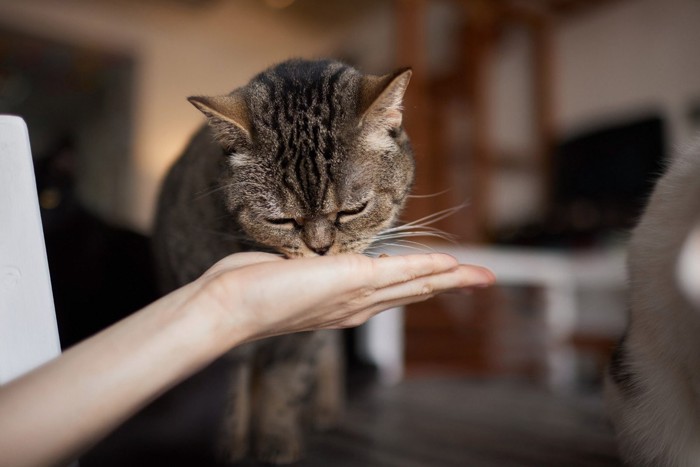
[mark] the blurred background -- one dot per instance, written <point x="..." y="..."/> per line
<point x="548" y="119"/>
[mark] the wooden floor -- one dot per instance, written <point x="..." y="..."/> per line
<point x="459" y="423"/>
<point x="438" y="423"/>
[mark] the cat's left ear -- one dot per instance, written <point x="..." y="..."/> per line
<point x="228" y="116"/>
<point x="381" y="99"/>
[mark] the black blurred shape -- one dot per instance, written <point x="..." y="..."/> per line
<point x="612" y="168"/>
<point x="100" y="273"/>
<point x="601" y="179"/>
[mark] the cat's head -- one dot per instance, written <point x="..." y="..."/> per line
<point x="317" y="158"/>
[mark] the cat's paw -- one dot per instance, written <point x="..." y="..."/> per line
<point x="279" y="449"/>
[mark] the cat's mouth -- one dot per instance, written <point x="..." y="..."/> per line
<point x="296" y="254"/>
<point x="332" y="250"/>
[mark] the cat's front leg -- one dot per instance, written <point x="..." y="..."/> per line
<point x="283" y="385"/>
<point x="328" y="398"/>
<point x="235" y="434"/>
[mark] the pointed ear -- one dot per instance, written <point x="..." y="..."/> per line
<point x="381" y="99"/>
<point x="228" y="116"/>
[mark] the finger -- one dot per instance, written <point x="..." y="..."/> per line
<point x="374" y="310"/>
<point x="361" y="317"/>
<point x="398" y="269"/>
<point x="462" y="276"/>
<point x="386" y="306"/>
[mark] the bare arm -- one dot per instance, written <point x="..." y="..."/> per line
<point x="75" y="400"/>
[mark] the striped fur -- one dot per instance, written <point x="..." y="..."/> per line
<point x="315" y="161"/>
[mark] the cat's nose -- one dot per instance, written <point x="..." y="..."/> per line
<point x="321" y="250"/>
<point x="319" y="234"/>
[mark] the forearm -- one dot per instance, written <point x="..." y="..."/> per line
<point x="57" y="411"/>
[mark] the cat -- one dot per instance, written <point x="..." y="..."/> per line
<point x="652" y="386"/>
<point x="309" y="158"/>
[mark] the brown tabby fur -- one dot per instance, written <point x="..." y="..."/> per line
<point x="309" y="158"/>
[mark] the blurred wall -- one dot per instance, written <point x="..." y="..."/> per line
<point x="632" y="55"/>
<point x="610" y="63"/>
<point x="183" y="48"/>
<point x="517" y="194"/>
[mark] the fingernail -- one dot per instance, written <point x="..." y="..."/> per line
<point x="488" y="278"/>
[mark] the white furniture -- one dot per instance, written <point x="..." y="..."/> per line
<point x="28" y="332"/>
<point x="688" y="269"/>
<point x="562" y="276"/>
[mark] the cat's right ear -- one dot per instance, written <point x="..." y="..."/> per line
<point x="381" y="99"/>
<point x="228" y="117"/>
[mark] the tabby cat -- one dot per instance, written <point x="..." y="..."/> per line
<point x="309" y="158"/>
<point x="653" y="383"/>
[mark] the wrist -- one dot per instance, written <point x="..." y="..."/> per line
<point x="216" y="316"/>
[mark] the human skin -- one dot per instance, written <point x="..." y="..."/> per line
<point x="57" y="411"/>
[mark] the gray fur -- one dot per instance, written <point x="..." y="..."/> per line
<point x="308" y="158"/>
<point x="653" y="384"/>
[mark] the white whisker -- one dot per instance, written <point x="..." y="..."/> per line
<point x="415" y="233"/>
<point x="410" y="228"/>
<point x="431" y="195"/>
<point x="421" y="246"/>
<point x="441" y="235"/>
<point x="401" y="244"/>
<point x="429" y="219"/>
<point x="421" y="228"/>
<point x="205" y="193"/>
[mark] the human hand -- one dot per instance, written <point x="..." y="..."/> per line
<point x="244" y="297"/>
<point x="267" y="295"/>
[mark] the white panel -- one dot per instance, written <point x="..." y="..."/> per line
<point x="28" y="332"/>
<point x="688" y="269"/>
<point x="380" y="341"/>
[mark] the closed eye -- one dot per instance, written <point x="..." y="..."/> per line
<point x="284" y="222"/>
<point x="348" y="213"/>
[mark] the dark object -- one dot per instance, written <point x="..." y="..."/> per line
<point x="431" y="423"/>
<point x="99" y="273"/>
<point x="610" y="171"/>
<point x="600" y="181"/>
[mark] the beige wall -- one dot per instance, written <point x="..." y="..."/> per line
<point x="610" y="62"/>
<point x="180" y="51"/>
<point x="632" y="55"/>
